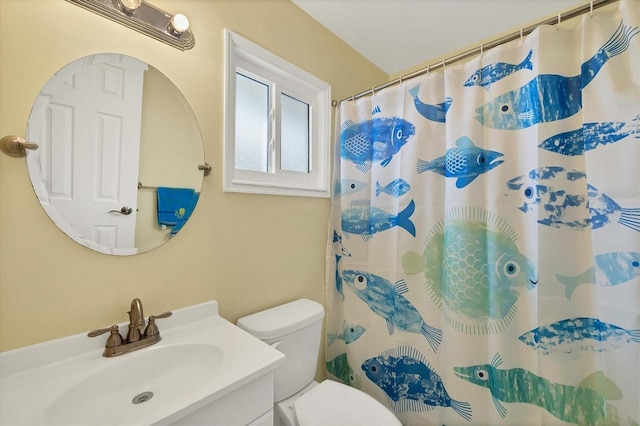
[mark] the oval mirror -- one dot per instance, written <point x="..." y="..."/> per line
<point x="119" y="168"/>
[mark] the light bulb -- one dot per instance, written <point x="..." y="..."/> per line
<point x="129" y="6"/>
<point x="179" y="24"/>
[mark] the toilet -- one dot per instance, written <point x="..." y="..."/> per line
<point x="294" y="329"/>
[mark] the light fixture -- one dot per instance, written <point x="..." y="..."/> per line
<point x="178" y="24"/>
<point x="144" y="18"/>
<point x="129" y="6"/>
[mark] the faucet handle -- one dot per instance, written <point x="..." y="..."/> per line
<point x="114" y="338"/>
<point x="152" y="328"/>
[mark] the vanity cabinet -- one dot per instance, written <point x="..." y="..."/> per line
<point x="251" y="404"/>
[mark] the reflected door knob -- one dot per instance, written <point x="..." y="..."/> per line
<point x="125" y="210"/>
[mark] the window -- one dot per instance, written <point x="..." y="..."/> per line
<point x="277" y="124"/>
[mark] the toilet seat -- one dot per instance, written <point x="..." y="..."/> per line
<point x="333" y="403"/>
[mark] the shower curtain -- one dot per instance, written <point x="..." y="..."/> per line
<point x="483" y="261"/>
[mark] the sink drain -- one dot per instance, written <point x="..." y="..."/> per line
<point x="142" y="397"/>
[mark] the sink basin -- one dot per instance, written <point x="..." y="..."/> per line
<point x="155" y="378"/>
<point x="203" y="364"/>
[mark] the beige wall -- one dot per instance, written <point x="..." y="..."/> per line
<point x="248" y="252"/>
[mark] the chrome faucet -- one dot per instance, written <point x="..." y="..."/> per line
<point x="136" y="337"/>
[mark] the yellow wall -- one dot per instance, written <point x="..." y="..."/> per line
<point x="248" y="252"/>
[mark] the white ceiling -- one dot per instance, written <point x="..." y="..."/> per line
<point x="399" y="35"/>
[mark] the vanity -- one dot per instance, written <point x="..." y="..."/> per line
<point x="204" y="370"/>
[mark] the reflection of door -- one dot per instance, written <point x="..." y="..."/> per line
<point x="93" y="134"/>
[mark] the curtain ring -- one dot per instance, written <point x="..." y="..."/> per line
<point x="559" y="20"/>
<point x="591" y="9"/>
<point x="373" y="90"/>
<point x="481" y="49"/>
<point x="521" y="34"/>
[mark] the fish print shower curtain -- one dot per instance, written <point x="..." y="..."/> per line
<point x="483" y="262"/>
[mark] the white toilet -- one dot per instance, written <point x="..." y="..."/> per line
<point x="294" y="329"/>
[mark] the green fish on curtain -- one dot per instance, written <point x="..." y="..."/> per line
<point x="474" y="270"/>
<point x="585" y="404"/>
<point x="340" y="368"/>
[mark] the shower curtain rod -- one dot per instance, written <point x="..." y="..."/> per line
<point x="580" y="10"/>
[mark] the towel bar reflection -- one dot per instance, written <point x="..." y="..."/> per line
<point x="15" y="146"/>
<point x="141" y="186"/>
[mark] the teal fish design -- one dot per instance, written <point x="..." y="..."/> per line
<point x="551" y="97"/>
<point x="340" y="368"/>
<point x="387" y="300"/>
<point x="349" y="333"/>
<point x="579" y="334"/>
<point x="609" y="269"/>
<point x="486" y="76"/>
<point x="474" y="270"/>
<point x="365" y="220"/>
<point x="585" y="404"/>
<point x="410" y="383"/>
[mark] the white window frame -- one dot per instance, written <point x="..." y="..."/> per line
<point x="246" y="57"/>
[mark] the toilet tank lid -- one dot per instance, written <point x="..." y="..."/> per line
<point x="281" y="320"/>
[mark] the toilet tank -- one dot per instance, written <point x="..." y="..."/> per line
<point x="294" y="329"/>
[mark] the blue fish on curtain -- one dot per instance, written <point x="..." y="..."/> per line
<point x="515" y="231"/>
<point x="579" y="334"/>
<point x="410" y="383"/>
<point x="376" y="140"/>
<point x="609" y="269"/>
<point x="387" y="300"/>
<point x="486" y="76"/>
<point x="366" y="220"/>
<point x="437" y="113"/>
<point x="591" y="136"/>
<point x="584" y="404"/>
<point x="551" y="97"/>
<point x="560" y="192"/>
<point x="465" y="162"/>
<point x="396" y="188"/>
<point x="346" y="187"/>
<point x="350" y="333"/>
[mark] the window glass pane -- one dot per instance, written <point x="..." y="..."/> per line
<point x="294" y="134"/>
<point x="252" y="124"/>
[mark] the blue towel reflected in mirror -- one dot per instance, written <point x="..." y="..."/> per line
<point x="175" y="206"/>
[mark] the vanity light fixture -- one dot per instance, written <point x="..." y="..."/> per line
<point x="144" y="18"/>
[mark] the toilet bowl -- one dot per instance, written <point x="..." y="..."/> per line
<point x="294" y="329"/>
